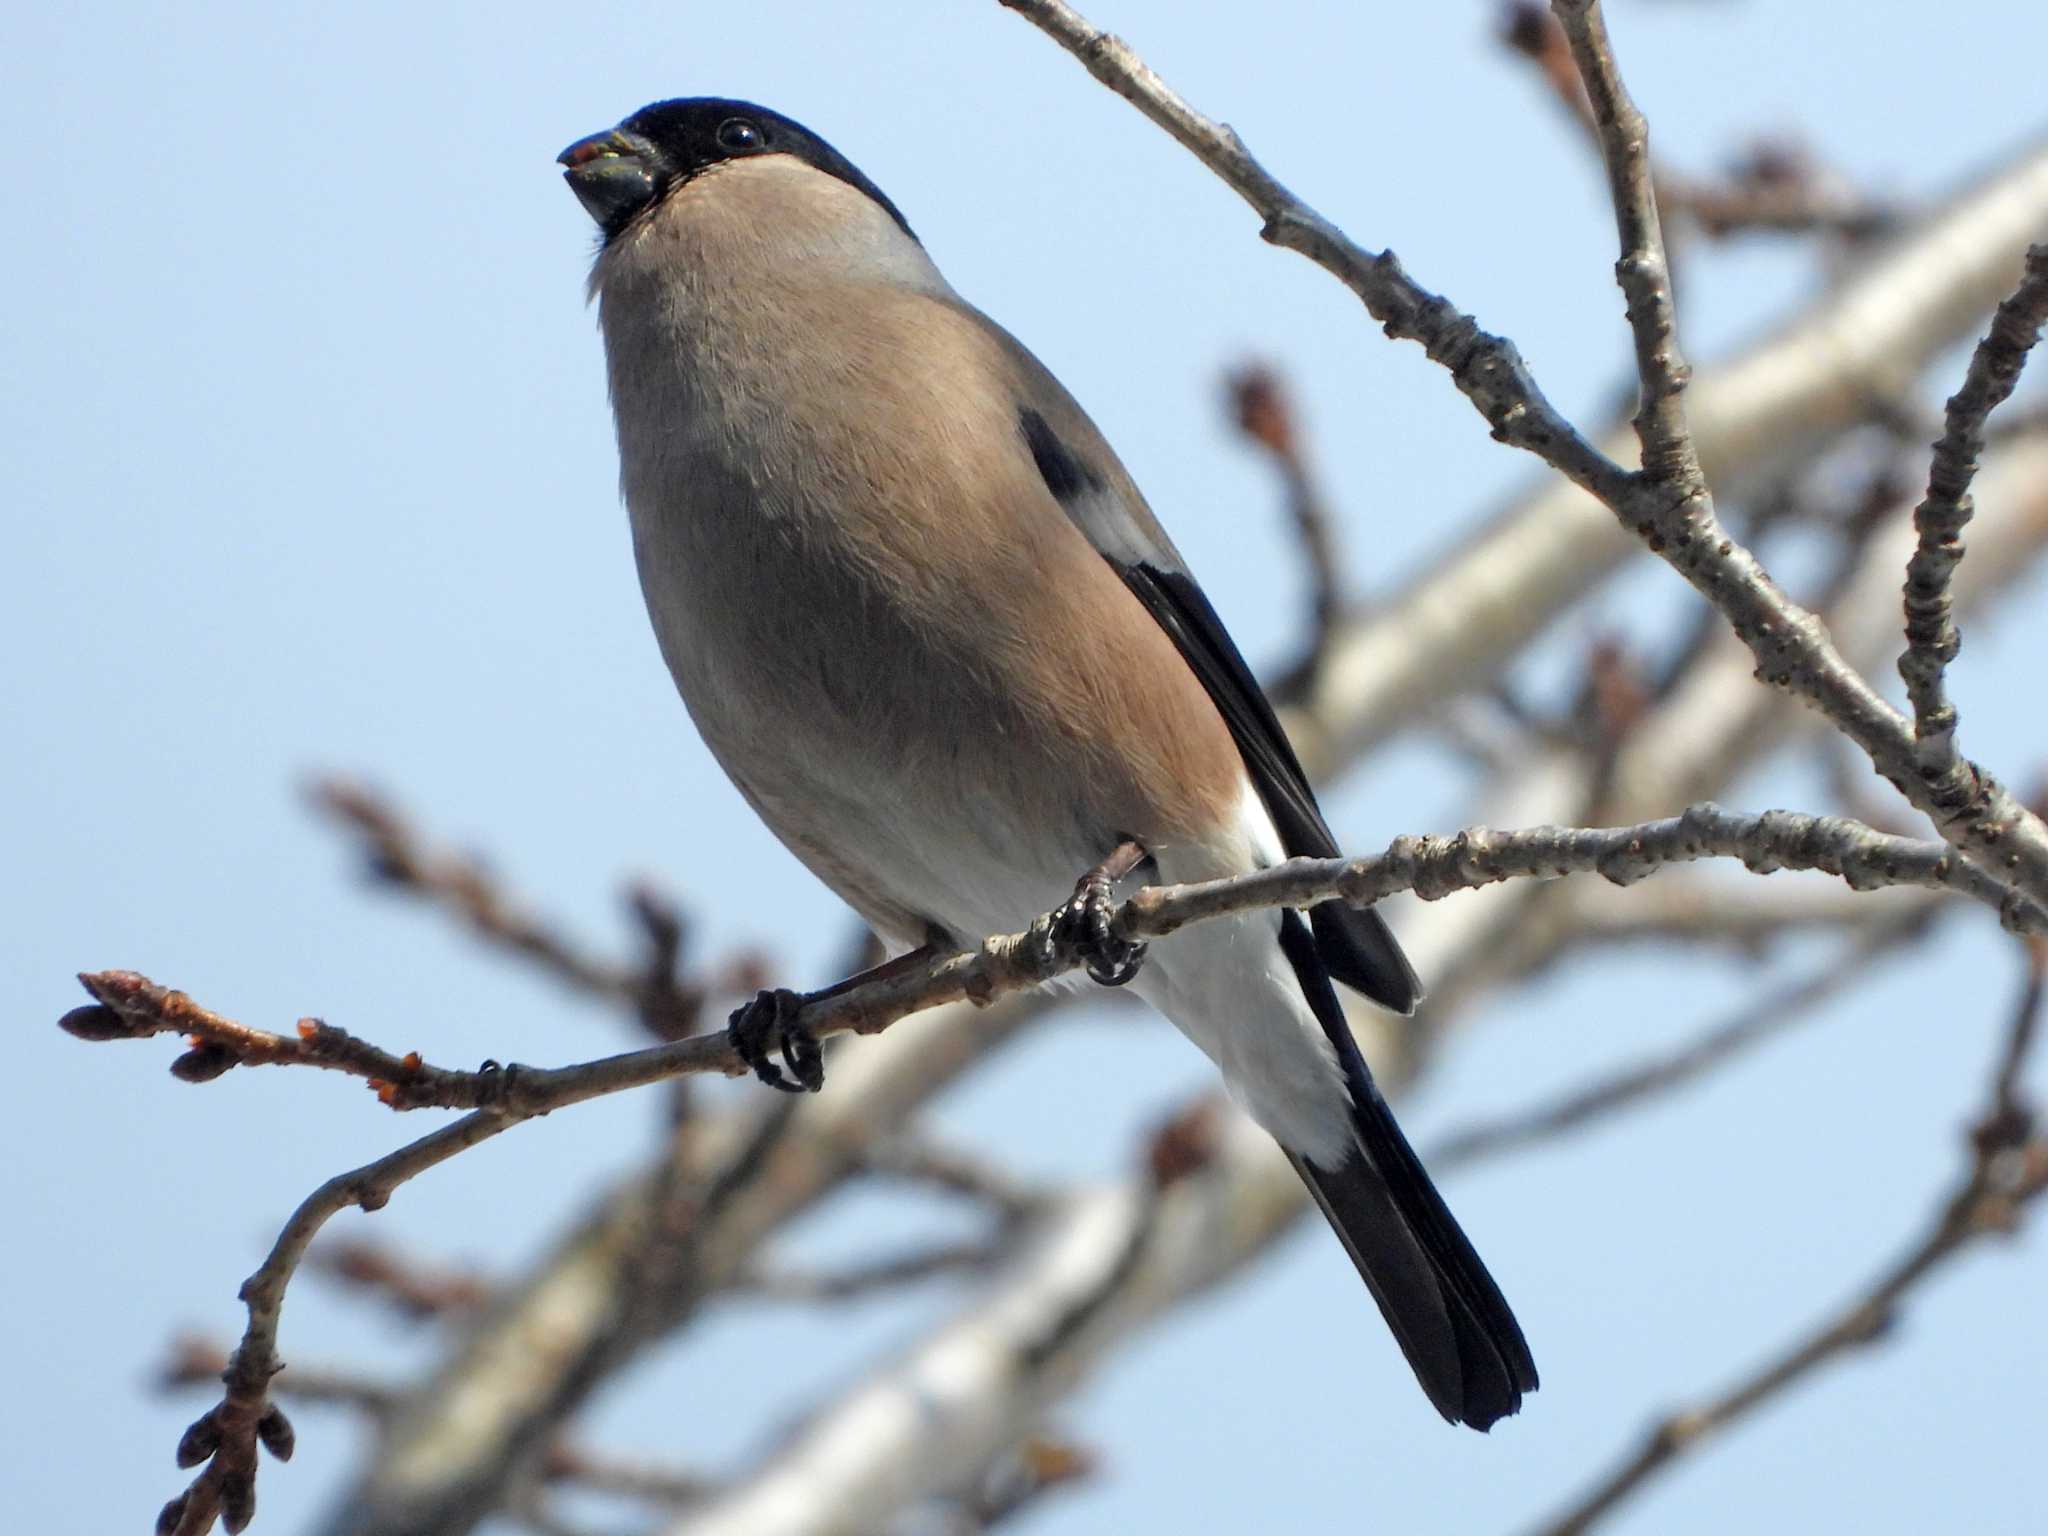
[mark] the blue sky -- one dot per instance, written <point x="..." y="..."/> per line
<point x="306" y="465"/>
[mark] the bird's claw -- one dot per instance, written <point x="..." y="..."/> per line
<point x="768" y="1019"/>
<point x="1086" y="927"/>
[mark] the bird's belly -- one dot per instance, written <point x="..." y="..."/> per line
<point x="868" y="746"/>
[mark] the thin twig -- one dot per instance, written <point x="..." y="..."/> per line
<point x="1703" y="912"/>
<point x="1763" y="1020"/>
<point x="779" y="1282"/>
<point x="2007" y="1168"/>
<point x="415" y="1289"/>
<point x="1263" y="413"/>
<point x="131" y="1006"/>
<point x="919" y="1159"/>
<point x="1666" y="504"/>
<point x="647" y="1482"/>
<point x="1931" y="638"/>
<point x="1669" y="457"/>
<point x="198" y="1362"/>
<point x="227" y="1435"/>
<point x="667" y="1003"/>
<point x="1774" y="187"/>
<point x="396" y="854"/>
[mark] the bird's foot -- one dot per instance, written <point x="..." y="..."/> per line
<point x="769" y="1020"/>
<point x="1086" y="927"/>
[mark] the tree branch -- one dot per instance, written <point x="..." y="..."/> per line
<point x="2008" y="1167"/>
<point x="1931" y="638"/>
<point x="226" y="1436"/>
<point x="1263" y="413"/>
<point x="131" y="1006"/>
<point x="918" y="1159"/>
<point x="414" y="1289"/>
<point x="1669" y="457"/>
<point x="1775" y="187"/>
<point x="1767" y="1017"/>
<point x="1666" y="504"/>
<point x="1731" y="915"/>
<point x="1754" y="416"/>
<point x="667" y="1003"/>
<point x="196" y="1361"/>
<point x="864" y="1277"/>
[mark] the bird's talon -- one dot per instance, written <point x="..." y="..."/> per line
<point x="768" y="1019"/>
<point x="1086" y="928"/>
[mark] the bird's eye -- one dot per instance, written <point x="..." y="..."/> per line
<point x="737" y="133"/>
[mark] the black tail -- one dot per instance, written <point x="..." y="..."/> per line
<point x="1448" y="1316"/>
<point x="1357" y="949"/>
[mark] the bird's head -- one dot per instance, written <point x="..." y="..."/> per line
<point x="623" y="173"/>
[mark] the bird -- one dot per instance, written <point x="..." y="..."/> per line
<point x="924" y="620"/>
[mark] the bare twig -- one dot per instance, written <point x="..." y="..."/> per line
<point x="198" y="1362"/>
<point x="1266" y="417"/>
<point x="1931" y="638"/>
<point x="1774" y="187"/>
<point x="226" y="1436"/>
<point x="1732" y="915"/>
<point x="416" y="1290"/>
<point x="628" y="1478"/>
<point x="781" y="1282"/>
<point x="1666" y="504"/>
<point x="916" y="1158"/>
<point x="396" y="854"/>
<point x="133" y="1007"/>
<point x="669" y="1004"/>
<point x="2008" y="1167"/>
<point x="1778" y="189"/>
<point x="1765" y="1019"/>
<point x="1669" y="457"/>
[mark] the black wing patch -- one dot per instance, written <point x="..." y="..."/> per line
<point x="1066" y="476"/>
<point x="1355" y="945"/>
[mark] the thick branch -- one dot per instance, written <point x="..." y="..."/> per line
<point x="1931" y="639"/>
